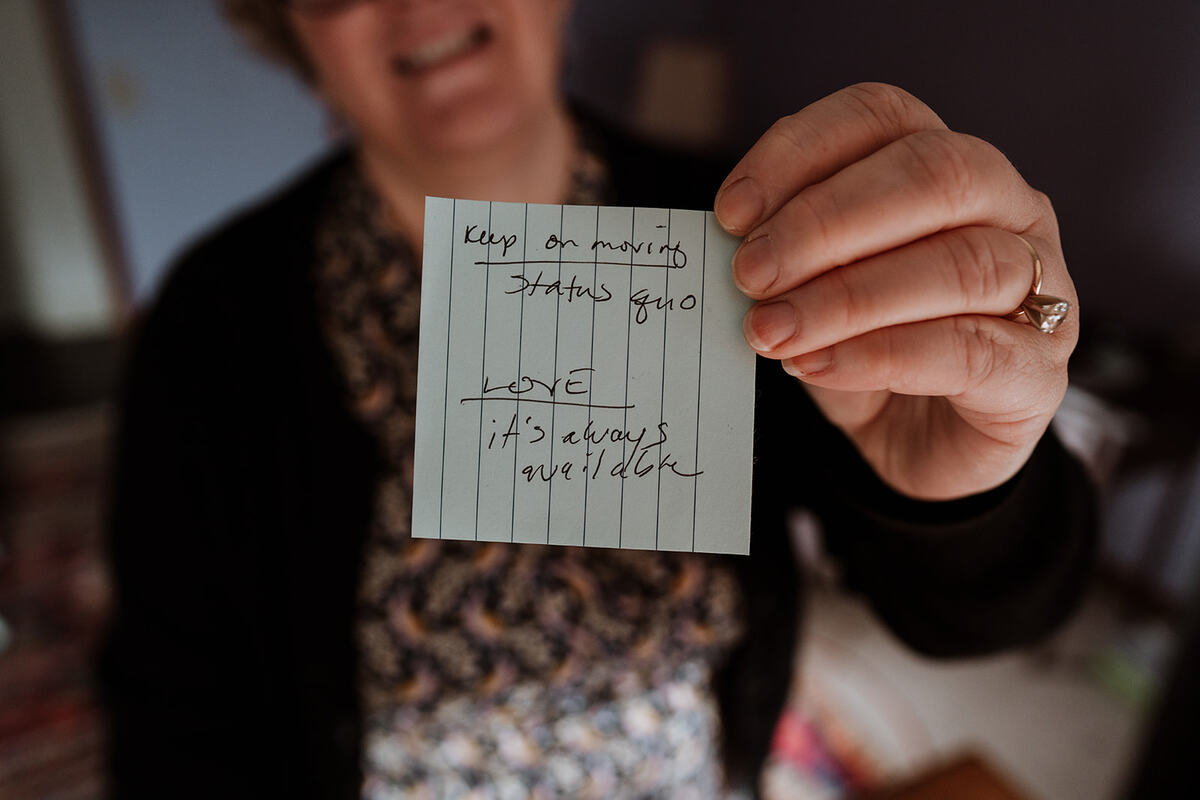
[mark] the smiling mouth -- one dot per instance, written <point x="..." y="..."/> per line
<point x="442" y="51"/>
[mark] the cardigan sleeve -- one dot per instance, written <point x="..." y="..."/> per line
<point x="186" y="716"/>
<point x="242" y="489"/>
<point x="963" y="577"/>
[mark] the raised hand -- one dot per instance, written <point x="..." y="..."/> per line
<point x="885" y="252"/>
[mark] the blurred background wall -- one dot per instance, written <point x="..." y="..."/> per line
<point x="127" y="127"/>
<point x="191" y="123"/>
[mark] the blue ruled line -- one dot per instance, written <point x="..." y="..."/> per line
<point x="587" y="458"/>
<point x="554" y="375"/>
<point x="512" y="524"/>
<point x="662" y="392"/>
<point x="628" y="317"/>
<point x="446" y="385"/>
<point x="699" y="374"/>
<point x="482" y="377"/>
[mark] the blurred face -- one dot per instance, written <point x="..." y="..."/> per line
<point x="434" y="77"/>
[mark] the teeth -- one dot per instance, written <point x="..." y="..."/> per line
<point x="439" y="50"/>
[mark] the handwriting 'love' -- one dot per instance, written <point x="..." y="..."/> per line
<point x="583" y="379"/>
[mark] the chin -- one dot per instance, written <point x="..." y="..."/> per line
<point x="472" y="127"/>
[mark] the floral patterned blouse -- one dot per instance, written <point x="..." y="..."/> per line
<point x="500" y="670"/>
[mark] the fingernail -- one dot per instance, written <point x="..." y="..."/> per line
<point x="740" y="205"/>
<point x="809" y="363"/>
<point x="754" y="267"/>
<point x="770" y="325"/>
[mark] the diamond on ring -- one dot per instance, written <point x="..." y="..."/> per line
<point x="1044" y="312"/>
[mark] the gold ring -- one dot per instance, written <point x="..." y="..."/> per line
<point x="1042" y="311"/>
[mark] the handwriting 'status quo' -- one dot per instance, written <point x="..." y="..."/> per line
<point x="642" y="253"/>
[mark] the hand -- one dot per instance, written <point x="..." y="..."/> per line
<point x="883" y="250"/>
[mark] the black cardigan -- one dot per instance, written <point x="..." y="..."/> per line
<point x="243" y="489"/>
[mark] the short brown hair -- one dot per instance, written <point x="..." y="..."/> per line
<point x="265" y="26"/>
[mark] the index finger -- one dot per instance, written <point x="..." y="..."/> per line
<point x="813" y="144"/>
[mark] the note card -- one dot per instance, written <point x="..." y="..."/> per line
<point x="583" y="379"/>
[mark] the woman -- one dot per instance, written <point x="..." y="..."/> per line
<point x="278" y="632"/>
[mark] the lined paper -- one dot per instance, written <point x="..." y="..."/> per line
<point x="583" y="379"/>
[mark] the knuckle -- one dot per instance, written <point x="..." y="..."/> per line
<point x="890" y="109"/>
<point x="852" y="297"/>
<point x="1043" y="208"/>
<point x="943" y="163"/>
<point x="818" y="218"/>
<point x="973" y="266"/>
<point x="890" y="358"/>
<point x="977" y="354"/>
<point x="795" y="132"/>
<point x="1042" y="202"/>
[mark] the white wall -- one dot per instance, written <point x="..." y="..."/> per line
<point x="54" y="281"/>
<point x="190" y="122"/>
